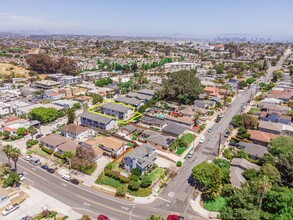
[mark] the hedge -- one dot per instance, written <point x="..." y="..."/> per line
<point x="47" y="150"/>
<point x="116" y="176"/>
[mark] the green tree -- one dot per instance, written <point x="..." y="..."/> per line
<point x="7" y="150"/>
<point x="153" y="217"/>
<point x="237" y="120"/>
<point x="20" y="131"/>
<point x="242" y="133"/>
<point x="6" y="135"/>
<point x="136" y="172"/>
<point x="146" y="181"/>
<point x="120" y="192"/>
<point x="76" y="106"/>
<point x="96" y="99"/>
<point x="133" y="185"/>
<point x="285" y="166"/>
<point x="103" y="82"/>
<point x="210" y="176"/>
<point x="70" y="116"/>
<point x="249" y="81"/>
<point x="181" y="84"/>
<point x="44" y="115"/>
<point x="32" y="130"/>
<point x="264" y="186"/>
<point x="249" y="121"/>
<point x="271" y="172"/>
<point x="281" y="145"/>
<point x="242" y="84"/>
<point x="11" y="180"/>
<point x="250" y="174"/>
<point x="68" y="155"/>
<point x="15" y="153"/>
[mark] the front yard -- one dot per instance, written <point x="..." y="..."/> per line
<point x="181" y="144"/>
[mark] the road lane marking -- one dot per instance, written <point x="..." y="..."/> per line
<point x="108" y="207"/>
<point x="171" y="194"/>
<point x="164" y="199"/>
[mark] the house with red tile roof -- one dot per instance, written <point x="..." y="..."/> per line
<point x="260" y="137"/>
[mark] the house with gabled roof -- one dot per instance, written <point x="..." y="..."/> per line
<point x="95" y="120"/>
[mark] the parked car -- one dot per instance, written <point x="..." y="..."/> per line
<point x="27" y="218"/>
<point x="221" y="115"/>
<point x="74" y="181"/>
<point x="202" y="139"/>
<point x="10" y="209"/>
<point x="218" y="119"/>
<point x="27" y="157"/>
<point x="175" y="217"/>
<point x="51" y="170"/>
<point x="21" y="177"/>
<point x="190" y="154"/>
<point x="66" y="177"/>
<point x="45" y="167"/>
<point x="227" y="134"/>
<point x="210" y="130"/>
<point x="39" y="136"/>
<point x="35" y="161"/>
<point x="233" y="144"/>
<point x="103" y="217"/>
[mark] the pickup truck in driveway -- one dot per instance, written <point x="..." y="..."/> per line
<point x="10" y="209"/>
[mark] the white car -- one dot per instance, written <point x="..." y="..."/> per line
<point x="27" y="157"/>
<point x="66" y="177"/>
<point x="202" y="139"/>
<point x="190" y="154"/>
<point x="10" y="209"/>
<point x="21" y="177"/>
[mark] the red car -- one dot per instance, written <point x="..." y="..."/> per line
<point x="103" y="217"/>
<point x="175" y="217"/>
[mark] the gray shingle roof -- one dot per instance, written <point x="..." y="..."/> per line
<point x="270" y="125"/>
<point x="146" y="91"/>
<point x="141" y="153"/>
<point x="130" y="101"/>
<point x="162" y="140"/>
<point x="174" y="129"/>
<point x="244" y="164"/>
<point x="254" y="149"/>
<point x="130" y="128"/>
<point x="154" y="120"/>
<point x="139" y="96"/>
<point x="115" y="107"/>
<point x="96" y="117"/>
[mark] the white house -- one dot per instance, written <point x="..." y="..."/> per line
<point x="77" y="132"/>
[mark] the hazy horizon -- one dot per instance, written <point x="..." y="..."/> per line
<point x="198" y="18"/>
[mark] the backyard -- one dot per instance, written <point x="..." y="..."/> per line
<point x="181" y="144"/>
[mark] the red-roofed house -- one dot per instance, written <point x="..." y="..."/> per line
<point x="260" y="137"/>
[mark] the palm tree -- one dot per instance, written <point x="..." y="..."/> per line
<point x="264" y="186"/>
<point x="14" y="154"/>
<point x="7" y="149"/>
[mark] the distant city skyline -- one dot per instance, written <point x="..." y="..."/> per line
<point x="197" y="18"/>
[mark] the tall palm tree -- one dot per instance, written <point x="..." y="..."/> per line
<point x="7" y="149"/>
<point x="15" y="153"/>
<point x="264" y="186"/>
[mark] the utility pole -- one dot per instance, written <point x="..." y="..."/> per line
<point x="219" y="147"/>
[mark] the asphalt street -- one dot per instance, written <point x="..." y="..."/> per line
<point x="173" y="199"/>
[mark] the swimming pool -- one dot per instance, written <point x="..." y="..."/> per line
<point x="161" y="116"/>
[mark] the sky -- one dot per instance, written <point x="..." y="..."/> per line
<point x="193" y="18"/>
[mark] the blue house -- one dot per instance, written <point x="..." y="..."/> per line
<point x="275" y="117"/>
<point x="142" y="158"/>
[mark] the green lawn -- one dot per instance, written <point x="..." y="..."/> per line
<point x="188" y="138"/>
<point x="156" y="173"/>
<point x="180" y="150"/>
<point x="41" y="152"/>
<point x="253" y="110"/>
<point x="215" y="205"/>
<point x="104" y="180"/>
<point x="142" y="192"/>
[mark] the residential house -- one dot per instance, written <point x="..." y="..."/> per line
<point x="148" y="92"/>
<point x="111" y="146"/>
<point x="98" y="121"/>
<point x="273" y="101"/>
<point x="275" y="117"/>
<point x="76" y="132"/>
<point x="64" y="103"/>
<point x="5" y="109"/>
<point x="47" y="84"/>
<point x="160" y="142"/>
<point x="12" y="123"/>
<point x="260" y="137"/>
<point x="238" y="166"/>
<point x="287" y="130"/>
<point x="52" y="95"/>
<point x="184" y="121"/>
<point x="83" y="99"/>
<point x="59" y="144"/>
<point x="142" y="158"/>
<point x="284" y="96"/>
<point x="270" y="127"/>
<point x="139" y="96"/>
<point x="275" y="108"/>
<point x="206" y="104"/>
<point x="137" y="103"/>
<point x="128" y="130"/>
<point x="120" y="111"/>
<point x="173" y="130"/>
<point x="255" y="151"/>
<point x="152" y="121"/>
<point x="69" y="80"/>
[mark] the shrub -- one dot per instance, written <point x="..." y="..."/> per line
<point x="120" y="192"/>
<point x="49" y="151"/>
<point x="227" y="154"/>
<point x="31" y="143"/>
<point x="179" y="163"/>
<point x="134" y="177"/>
<point x="133" y="186"/>
<point x="12" y="179"/>
<point x="250" y="174"/>
<point x="145" y="181"/>
<point x="116" y="176"/>
<point x="136" y="172"/>
<point x="109" y="166"/>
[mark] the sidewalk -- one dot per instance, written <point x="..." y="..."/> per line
<point x="38" y="201"/>
<point x="196" y="206"/>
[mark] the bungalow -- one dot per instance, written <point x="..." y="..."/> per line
<point x="120" y="111"/>
<point x="111" y="146"/>
<point x="98" y="121"/>
<point x="173" y="130"/>
<point x="260" y="137"/>
<point x="206" y="104"/>
<point x="139" y="96"/>
<point x="142" y="158"/>
<point x="54" y="96"/>
<point x="13" y="123"/>
<point x="76" y="132"/>
<point x="254" y="150"/>
<point x="83" y="99"/>
<point x="130" y="101"/>
<point x="148" y="92"/>
<point x="276" y="108"/>
<point x="152" y="121"/>
<point x="270" y="127"/>
<point x="238" y="166"/>
<point x="128" y="130"/>
<point x="160" y="142"/>
<point x="284" y="96"/>
<point x="273" y="101"/>
<point x="184" y="121"/>
<point x="58" y="143"/>
<point x="275" y="117"/>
